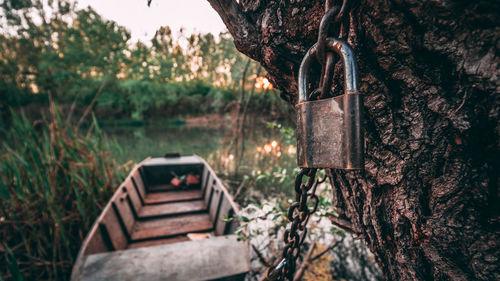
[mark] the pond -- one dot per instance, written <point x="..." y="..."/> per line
<point x="262" y="154"/>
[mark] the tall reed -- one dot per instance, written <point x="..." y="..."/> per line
<point x="53" y="183"/>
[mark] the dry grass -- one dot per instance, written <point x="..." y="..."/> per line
<point x="320" y="269"/>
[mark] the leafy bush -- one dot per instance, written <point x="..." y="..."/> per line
<point x="144" y="98"/>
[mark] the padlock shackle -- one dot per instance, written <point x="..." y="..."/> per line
<point x="344" y="50"/>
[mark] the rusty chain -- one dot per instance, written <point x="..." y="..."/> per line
<point x="325" y="58"/>
<point x="299" y="212"/>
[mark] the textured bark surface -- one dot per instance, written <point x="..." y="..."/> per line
<point x="427" y="203"/>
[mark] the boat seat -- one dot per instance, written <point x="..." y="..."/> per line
<point x="172" y="196"/>
<point x="170" y="209"/>
<point x="161" y="195"/>
<point x="161" y="187"/>
<point x="217" y="258"/>
<point x="155" y="242"/>
<point x="171" y="226"/>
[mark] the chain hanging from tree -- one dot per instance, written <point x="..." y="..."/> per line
<point x="306" y="201"/>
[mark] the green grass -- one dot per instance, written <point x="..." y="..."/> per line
<point x="53" y="183"/>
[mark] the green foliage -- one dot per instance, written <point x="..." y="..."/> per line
<point x="271" y="216"/>
<point x="268" y="168"/>
<point x="89" y="50"/>
<point x="63" y="54"/>
<point x="50" y="47"/>
<point x="53" y="183"/>
<point x="287" y="134"/>
<point x="143" y="98"/>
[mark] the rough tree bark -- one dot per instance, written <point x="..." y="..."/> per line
<point x="427" y="203"/>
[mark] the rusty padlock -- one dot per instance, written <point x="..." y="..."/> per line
<point x="329" y="132"/>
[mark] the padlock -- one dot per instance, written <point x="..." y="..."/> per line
<point x="329" y="131"/>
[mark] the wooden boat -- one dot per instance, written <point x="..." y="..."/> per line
<point x="151" y="229"/>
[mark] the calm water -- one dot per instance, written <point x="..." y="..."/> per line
<point x="138" y="143"/>
<point x="266" y="162"/>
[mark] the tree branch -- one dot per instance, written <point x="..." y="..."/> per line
<point x="305" y="263"/>
<point x="260" y="256"/>
<point x="246" y="37"/>
<point x="332" y="245"/>
<point x="342" y="223"/>
<point x="91" y="105"/>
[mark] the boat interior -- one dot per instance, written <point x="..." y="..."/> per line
<point x="166" y="221"/>
<point x="148" y="210"/>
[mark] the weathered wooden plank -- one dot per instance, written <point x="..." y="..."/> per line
<point x="234" y="224"/>
<point x="170" y="226"/>
<point x="207" y="194"/>
<point x="155" y="242"/>
<point x="225" y="210"/>
<point x="114" y="229"/>
<point x="215" y="203"/>
<point x="207" y="259"/>
<point x="161" y="187"/>
<point x="95" y="243"/>
<point x="158" y="172"/>
<point x="124" y="213"/>
<point x="142" y="177"/>
<point x="170" y="187"/>
<point x="216" y="180"/>
<point x="138" y="185"/>
<point x="175" y="208"/>
<point x="172" y="196"/>
<point x="205" y="175"/>
<point x="179" y="161"/>
<point x="128" y="187"/>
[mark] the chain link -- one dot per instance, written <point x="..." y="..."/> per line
<point x="327" y="59"/>
<point x="300" y="211"/>
<point x="299" y="214"/>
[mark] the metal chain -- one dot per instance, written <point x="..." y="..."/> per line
<point x="299" y="212"/>
<point x="325" y="58"/>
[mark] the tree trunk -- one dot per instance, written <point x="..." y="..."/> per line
<point x="427" y="202"/>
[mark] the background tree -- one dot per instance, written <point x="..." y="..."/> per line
<point x="427" y="203"/>
<point x="80" y="58"/>
<point x="162" y="44"/>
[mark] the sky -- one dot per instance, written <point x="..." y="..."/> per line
<point x="143" y="21"/>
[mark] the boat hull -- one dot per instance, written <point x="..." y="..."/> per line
<point x="156" y="227"/>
